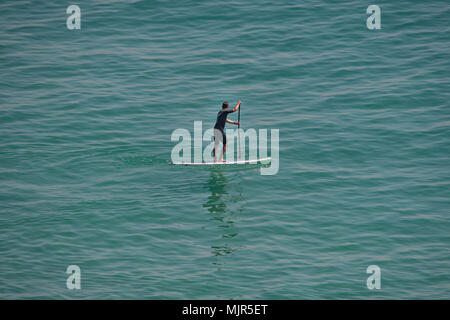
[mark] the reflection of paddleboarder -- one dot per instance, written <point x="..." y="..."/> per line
<point x="219" y="133"/>
<point x="217" y="185"/>
<point x="221" y="215"/>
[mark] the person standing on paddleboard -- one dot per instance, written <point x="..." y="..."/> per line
<point x="219" y="128"/>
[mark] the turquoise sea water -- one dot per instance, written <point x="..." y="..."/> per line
<point x="85" y="123"/>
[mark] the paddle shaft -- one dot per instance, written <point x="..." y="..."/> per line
<point x="239" y="116"/>
<point x="239" y="131"/>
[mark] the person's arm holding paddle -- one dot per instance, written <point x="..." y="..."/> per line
<point x="237" y="106"/>
<point x="234" y="110"/>
<point x="233" y="122"/>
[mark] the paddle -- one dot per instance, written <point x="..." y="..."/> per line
<point x="239" y="131"/>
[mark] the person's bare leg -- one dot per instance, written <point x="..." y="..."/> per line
<point x="223" y="152"/>
<point x="215" y="152"/>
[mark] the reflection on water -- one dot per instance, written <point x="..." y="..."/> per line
<point x="217" y="185"/>
<point x="222" y="203"/>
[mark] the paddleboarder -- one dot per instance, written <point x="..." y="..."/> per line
<point x="219" y="128"/>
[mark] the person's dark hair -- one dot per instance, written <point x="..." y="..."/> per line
<point x="225" y="105"/>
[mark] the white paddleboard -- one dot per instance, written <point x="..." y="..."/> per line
<point x="264" y="160"/>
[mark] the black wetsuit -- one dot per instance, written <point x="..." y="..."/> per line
<point x="220" y="125"/>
